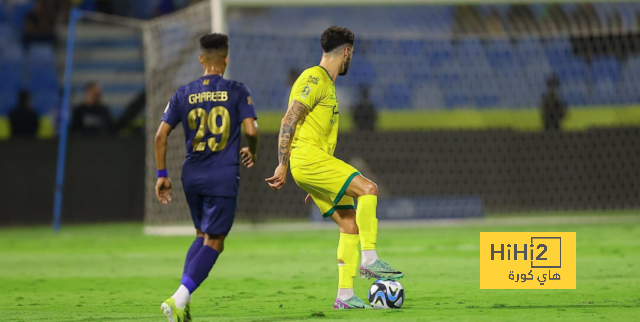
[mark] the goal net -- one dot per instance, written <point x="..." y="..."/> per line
<point x="454" y="110"/>
<point x="171" y="60"/>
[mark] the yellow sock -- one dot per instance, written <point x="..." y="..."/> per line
<point x="367" y="221"/>
<point x="347" y="259"/>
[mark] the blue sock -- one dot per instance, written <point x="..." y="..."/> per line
<point x="193" y="250"/>
<point x="199" y="268"/>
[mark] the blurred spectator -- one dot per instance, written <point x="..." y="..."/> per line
<point x="522" y="20"/>
<point x="494" y="23"/>
<point x="91" y="117"/>
<point x="467" y="21"/>
<point x="39" y="24"/>
<point x="24" y="121"/>
<point x="292" y="77"/>
<point x="554" y="109"/>
<point x="282" y="91"/>
<point x="364" y="114"/>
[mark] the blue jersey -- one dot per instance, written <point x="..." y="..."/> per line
<point x="211" y="110"/>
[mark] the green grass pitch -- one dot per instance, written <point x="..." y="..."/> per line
<point x="115" y="273"/>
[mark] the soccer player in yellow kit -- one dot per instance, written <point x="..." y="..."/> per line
<point x="308" y="137"/>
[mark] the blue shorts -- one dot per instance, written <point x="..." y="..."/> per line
<point x="211" y="214"/>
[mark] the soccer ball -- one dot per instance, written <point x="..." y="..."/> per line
<point x="386" y="295"/>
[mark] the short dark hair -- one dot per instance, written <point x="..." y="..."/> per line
<point x="214" y="41"/>
<point x="24" y="97"/>
<point x="335" y="37"/>
<point x="90" y="85"/>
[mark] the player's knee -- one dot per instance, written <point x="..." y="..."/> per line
<point x="370" y="188"/>
<point x="215" y="241"/>
<point x="218" y="246"/>
<point x="199" y="233"/>
<point x="349" y="226"/>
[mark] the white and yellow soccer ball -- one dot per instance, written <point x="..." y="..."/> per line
<point x="386" y="295"/>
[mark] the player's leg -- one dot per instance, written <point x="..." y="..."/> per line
<point x="347" y="255"/>
<point x="178" y="307"/>
<point x="193" y="250"/>
<point x="347" y="259"/>
<point x="195" y="202"/>
<point x="366" y="192"/>
<point x="203" y="262"/>
<point x="344" y="216"/>
<point x="215" y="222"/>
<point x="333" y="178"/>
<point x="197" y="271"/>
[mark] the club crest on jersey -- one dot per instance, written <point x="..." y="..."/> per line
<point x="206" y="82"/>
<point x="305" y="91"/>
<point x="313" y="80"/>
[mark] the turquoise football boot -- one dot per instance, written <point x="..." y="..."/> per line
<point x="380" y="270"/>
<point x="353" y="303"/>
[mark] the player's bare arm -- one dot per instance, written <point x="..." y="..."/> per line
<point x="249" y="154"/>
<point x="296" y="113"/>
<point x="163" y="186"/>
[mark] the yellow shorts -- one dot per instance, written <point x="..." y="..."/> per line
<point x="325" y="178"/>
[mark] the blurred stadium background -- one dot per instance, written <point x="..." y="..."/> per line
<point x="466" y="109"/>
<point x="519" y="115"/>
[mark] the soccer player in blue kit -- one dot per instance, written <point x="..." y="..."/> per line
<point x="211" y="110"/>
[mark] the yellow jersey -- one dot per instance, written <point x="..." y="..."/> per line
<point x="315" y="89"/>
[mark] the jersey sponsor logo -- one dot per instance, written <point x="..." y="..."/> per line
<point x="314" y="80"/>
<point x="206" y="82"/>
<point x="332" y="121"/>
<point x="305" y="91"/>
<point x="220" y="96"/>
<point x="167" y="108"/>
<point x="249" y="100"/>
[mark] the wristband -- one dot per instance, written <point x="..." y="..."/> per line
<point x="163" y="173"/>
